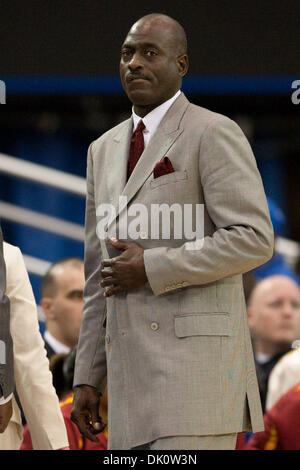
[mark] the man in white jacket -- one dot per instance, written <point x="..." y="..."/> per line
<point x="31" y="367"/>
<point x="283" y="377"/>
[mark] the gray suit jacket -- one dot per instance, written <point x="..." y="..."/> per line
<point x="6" y="347"/>
<point x="176" y="353"/>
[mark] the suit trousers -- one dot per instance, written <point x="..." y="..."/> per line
<point x="213" y="442"/>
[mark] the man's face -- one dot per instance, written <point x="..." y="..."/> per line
<point x="275" y="313"/>
<point x="150" y="67"/>
<point x="67" y="305"/>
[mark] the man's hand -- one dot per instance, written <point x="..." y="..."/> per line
<point x="125" y="272"/>
<point x="85" y="412"/>
<point x="5" y="415"/>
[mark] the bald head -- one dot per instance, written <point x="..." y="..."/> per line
<point x="50" y="280"/>
<point x="272" y="285"/>
<point x="62" y="300"/>
<point x="274" y="313"/>
<point x="175" y="31"/>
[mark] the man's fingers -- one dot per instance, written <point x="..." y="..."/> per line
<point x="85" y="411"/>
<point x="113" y="291"/>
<point x="122" y="246"/>
<point x="107" y="272"/>
<point x="109" y="281"/>
<point x="85" y="427"/>
<point x="108" y="263"/>
<point x="118" y="244"/>
<point x="96" y="420"/>
<point x="90" y="433"/>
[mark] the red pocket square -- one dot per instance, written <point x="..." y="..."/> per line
<point x="163" y="168"/>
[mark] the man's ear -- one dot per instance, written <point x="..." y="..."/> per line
<point x="183" y="64"/>
<point x="46" y="304"/>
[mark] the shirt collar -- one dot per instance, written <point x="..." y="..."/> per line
<point x="262" y="358"/>
<point x="152" y="119"/>
<point x="56" y="345"/>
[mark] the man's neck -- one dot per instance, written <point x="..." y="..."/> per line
<point x="270" y="350"/>
<point x="142" y="111"/>
<point x="153" y="119"/>
<point x="57" y="345"/>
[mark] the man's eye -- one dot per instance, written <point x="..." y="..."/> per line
<point x="150" y="53"/>
<point x="276" y="304"/>
<point x="76" y="295"/>
<point x="125" y="53"/>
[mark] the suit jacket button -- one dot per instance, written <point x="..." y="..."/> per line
<point x="154" y="326"/>
<point x="107" y="338"/>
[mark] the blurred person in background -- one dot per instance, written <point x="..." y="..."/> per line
<point x="63" y="365"/>
<point x="62" y="304"/>
<point x="274" y="319"/>
<point x="282" y="425"/>
<point x="31" y="367"/>
<point x="285" y="374"/>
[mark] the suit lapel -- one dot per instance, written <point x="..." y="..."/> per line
<point x="116" y="165"/>
<point x="164" y="137"/>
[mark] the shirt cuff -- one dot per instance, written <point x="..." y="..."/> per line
<point x="6" y="400"/>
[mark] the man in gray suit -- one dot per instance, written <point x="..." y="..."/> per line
<point x="164" y="320"/>
<point x="6" y="349"/>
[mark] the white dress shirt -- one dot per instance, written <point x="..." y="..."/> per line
<point x="262" y="358"/>
<point x="152" y="119"/>
<point x="57" y="346"/>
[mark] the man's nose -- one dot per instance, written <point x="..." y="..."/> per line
<point x="135" y="62"/>
<point x="287" y="309"/>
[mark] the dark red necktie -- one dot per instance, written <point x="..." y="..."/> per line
<point x="136" y="147"/>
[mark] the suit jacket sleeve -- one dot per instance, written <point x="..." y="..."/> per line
<point x="236" y="204"/>
<point x="90" y="366"/>
<point x="6" y="346"/>
<point x="32" y="375"/>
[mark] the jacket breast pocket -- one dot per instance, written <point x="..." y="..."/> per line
<point x="169" y="178"/>
<point x="202" y="324"/>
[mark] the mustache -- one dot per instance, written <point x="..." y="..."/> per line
<point x="133" y="76"/>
